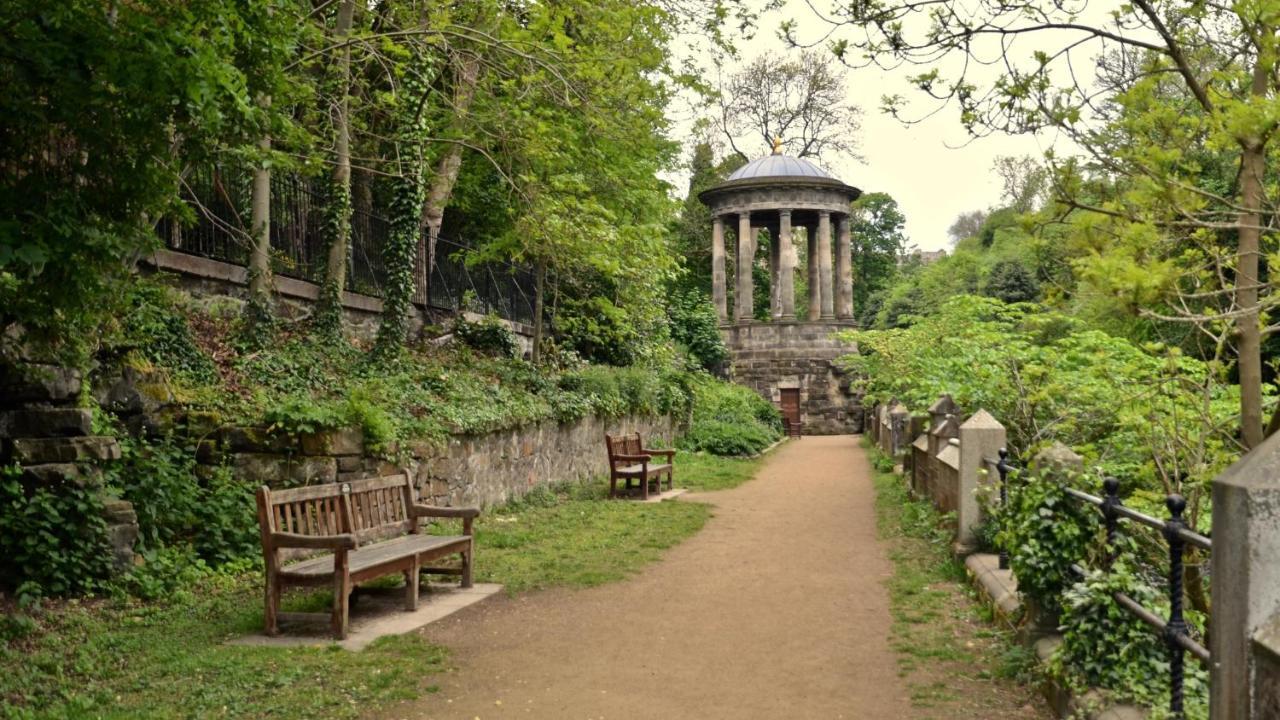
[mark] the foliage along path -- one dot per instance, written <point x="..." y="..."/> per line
<point x="778" y="608"/>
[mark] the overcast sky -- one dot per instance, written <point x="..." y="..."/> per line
<point x="933" y="169"/>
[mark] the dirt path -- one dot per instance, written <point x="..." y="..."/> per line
<point x="776" y="609"/>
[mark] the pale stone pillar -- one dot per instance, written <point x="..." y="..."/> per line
<point x="742" y="308"/>
<point x="1243" y="679"/>
<point x="775" y="267"/>
<point x="824" y="265"/>
<point x="787" y="267"/>
<point x="981" y="437"/>
<point x="844" y="271"/>
<point x="718" y="295"/>
<point x="815" y="285"/>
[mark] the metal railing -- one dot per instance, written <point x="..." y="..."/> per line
<point x="1173" y="630"/>
<point x="219" y="199"/>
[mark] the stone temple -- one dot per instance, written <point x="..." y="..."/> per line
<point x="788" y="358"/>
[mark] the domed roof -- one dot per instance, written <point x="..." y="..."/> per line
<point x="778" y="166"/>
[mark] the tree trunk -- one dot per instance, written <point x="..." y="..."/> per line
<point x="338" y="227"/>
<point x="1248" y="329"/>
<point x="465" y="77"/>
<point x="539" y="291"/>
<point x="259" y="310"/>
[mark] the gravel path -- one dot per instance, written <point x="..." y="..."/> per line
<point x="776" y="609"/>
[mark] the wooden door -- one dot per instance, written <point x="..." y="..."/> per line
<point x="791" y="405"/>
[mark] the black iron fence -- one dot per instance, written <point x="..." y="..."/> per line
<point x="219" y="200"/>
<point x="1173" y="630"/>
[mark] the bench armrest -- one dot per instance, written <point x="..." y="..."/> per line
<point x="345" y="541"/>
<point x="467" y="513"/>
<point x="668" y="453"/>
<point x="631" y="458"/>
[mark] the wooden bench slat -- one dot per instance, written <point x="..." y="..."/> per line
<point x="373" y="555"/>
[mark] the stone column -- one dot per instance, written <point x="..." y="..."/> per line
<point x="824" y="265"/>
<point x="786" y="267"/>
<point x="775" y="268"/>
<point x="1244" y="681"/>
<point x="742" y="309"/>
<point x="844" y="271"/>
<point x="981" y="437"/>
<point x="815" y="285"/>
<point x="718" y="296"/>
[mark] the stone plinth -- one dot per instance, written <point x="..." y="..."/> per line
<point x="771" y="357"/>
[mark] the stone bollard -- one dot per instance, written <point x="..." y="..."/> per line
<point x="899" y="424"/>
<point x="981" y="436"/>
<point x="1244" y="680"/>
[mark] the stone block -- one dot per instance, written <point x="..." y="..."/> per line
<point x="122" y="531"/>
<point x="258" y="440"/>
<point x="350" y="464"/>
<point x="37" y="451"/>
<point x="53" y="474"/>
<point x="343" y="441"/>
<point x="38" y="383"/>
<point x="45" y="422"/>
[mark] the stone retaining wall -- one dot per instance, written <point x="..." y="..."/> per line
<point x="773" y="356"/>
<point x="483" y="470"/>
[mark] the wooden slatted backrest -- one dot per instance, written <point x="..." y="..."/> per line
<point x="371" y="509"/>
<point x="623" y="445"/>
<point x="380" y="507"/>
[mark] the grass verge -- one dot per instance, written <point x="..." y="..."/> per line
<point x="954" y="662"/>
<point x="123" y="658"/>
<point x="704" y="472"/>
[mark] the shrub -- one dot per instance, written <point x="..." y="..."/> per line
<point x="695" y="326"/>
<point x="489" y="336"/>
<point x="598" y="331"/>
<point x="53" y="541"/>
<point x="154" y="325"/>
<point x="730" y="420"/>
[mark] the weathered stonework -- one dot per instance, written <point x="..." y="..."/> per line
<point x="771" y="357"/>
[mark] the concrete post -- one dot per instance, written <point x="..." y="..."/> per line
<point x="742" y="305"/>
<point x="900" y="422"/>
<point x="981" y="436"/>
<point x="824" y="265"/>
<point x="718" y="296"/>
<point x="938" y="438"/>
<point x="787" y="271"/>
<point x="844" y="271"/>
<point x="815" y="285"/>
<point x="1245" y="586"/>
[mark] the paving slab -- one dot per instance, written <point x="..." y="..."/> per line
<point x="377" y="613"/>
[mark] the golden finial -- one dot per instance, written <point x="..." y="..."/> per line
<point x="777" y="145"/>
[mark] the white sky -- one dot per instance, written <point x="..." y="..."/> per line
<point x="933" y="169"/>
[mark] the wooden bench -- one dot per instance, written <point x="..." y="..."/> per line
<point x="794" y="428"/>
<point x="629" y="460"/>
<point x="363" y="530"/>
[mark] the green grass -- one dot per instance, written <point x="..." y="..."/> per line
<point x="124" y="658"/>
<point x="575" y="536"/>
<point x="954" y="664"/>
<point x="704" y="472"/>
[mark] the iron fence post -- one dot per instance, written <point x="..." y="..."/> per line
<point x="1177" y="627"/>
<point x="1002" y="468"/>
<point x="1111" y="518"/>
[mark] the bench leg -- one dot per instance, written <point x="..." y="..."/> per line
<point x="613" y="486"/>
<point x="671" y="478"/>
<point x="411" y="585"/>
<point x="644" y="487"/>
<point x="341" y="596"/>
<point x="466" y="565"/>
<point x="272" y="602"/>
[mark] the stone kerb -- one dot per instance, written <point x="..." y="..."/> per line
<point x="981" y="437"/>
<point x="1245" y="585"/>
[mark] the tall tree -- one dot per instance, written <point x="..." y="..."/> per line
<point x="1222" y="58"/>
<point x="800" y="99"/>
<point x="877" y="239"/>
